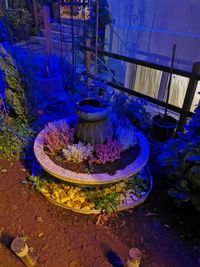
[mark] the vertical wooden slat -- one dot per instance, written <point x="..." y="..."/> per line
<point x="87" y="59"/>
<point x="35" y="13"/>
<point x="163" y="86"/>
<point x="130" y="76"/>
<point x="190" y="93"/>
<point x="47" y="26"/>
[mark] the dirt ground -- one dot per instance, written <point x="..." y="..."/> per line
<point x="167" y="236"/>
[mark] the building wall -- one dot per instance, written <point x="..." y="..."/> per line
<point x="153" y="26"/>
<point x="158" y="24"/>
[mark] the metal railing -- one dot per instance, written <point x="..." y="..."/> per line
<point x="194" y="77"/>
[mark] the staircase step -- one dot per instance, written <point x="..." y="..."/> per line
<point x="56" y="35"/>
<point x="55" y="43"/>
<point x="19" y="44"/>
<point x="67" y="28"/>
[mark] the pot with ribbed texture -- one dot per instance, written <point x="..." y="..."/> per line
<point x="94" y="125"/>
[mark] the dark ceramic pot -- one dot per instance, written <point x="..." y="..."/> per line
<point x="163" y="127"/>
<point x="94" y="125"/>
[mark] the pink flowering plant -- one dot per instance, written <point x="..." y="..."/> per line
<point x="58" y="136"/>
<point x="107" y="152"/>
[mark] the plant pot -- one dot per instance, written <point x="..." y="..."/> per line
<point x="94" y="125"/>
<point x="163" y="127"/>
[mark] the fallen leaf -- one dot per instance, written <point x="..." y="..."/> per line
<point x="41" y="234"/>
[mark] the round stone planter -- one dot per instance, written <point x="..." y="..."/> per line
<point x="94" y="125"/>
<point x="128" y="203"/>
<point x="88" y="178"/>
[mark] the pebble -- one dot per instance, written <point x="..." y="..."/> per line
<point x="39" y="219"/>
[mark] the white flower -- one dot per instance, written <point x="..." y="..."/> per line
<point x="77" y="152"/>
<point x="126" y="136"/>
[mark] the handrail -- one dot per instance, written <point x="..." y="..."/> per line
<point x="151" y="99"/>
<point x="145" y="63"/>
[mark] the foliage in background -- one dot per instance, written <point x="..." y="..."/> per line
<point x="181" y="157"/>
<point x="33" y="67"/>
<point x="132" y="108"/>
<point x="14" y="129"/>
<point x="21" y="23"/>
<point x="104" y="19"/>
<point x="20" y="20"/>
<point x="15" y="89"/>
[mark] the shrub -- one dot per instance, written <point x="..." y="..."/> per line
<point x="181" y="158"/>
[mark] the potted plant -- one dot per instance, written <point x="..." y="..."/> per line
<point x="163" y="124"/>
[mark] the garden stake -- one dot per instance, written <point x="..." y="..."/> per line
<point x="134" y="259"/>
<point x="20" y="248"/>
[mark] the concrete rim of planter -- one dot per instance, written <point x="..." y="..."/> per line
<point x="91" y="179"/>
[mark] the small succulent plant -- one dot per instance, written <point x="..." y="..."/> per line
<point x="77" y="152"/>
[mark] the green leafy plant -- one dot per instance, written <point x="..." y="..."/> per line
<point x="104" y="19"/>
<point x="181" y="158"/>
<point x="37" y="182"/>
<point x="15" y="89"/>
<point x="132" y="108"/>
<point x="106" y="202"/>
<point x="14" y="136"/>
<point x="14" y="130"/>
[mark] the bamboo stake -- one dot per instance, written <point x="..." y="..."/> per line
<point x="35" y="13"/>
<point x="97" y="36"/>
<point x="170" y="78"/>
<point x="48" y="34"/>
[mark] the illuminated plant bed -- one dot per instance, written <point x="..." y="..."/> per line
<point x="107" y="169"/>
<point x="119" y="196"/>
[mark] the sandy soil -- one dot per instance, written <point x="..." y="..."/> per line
<point x="167" y="236"/>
